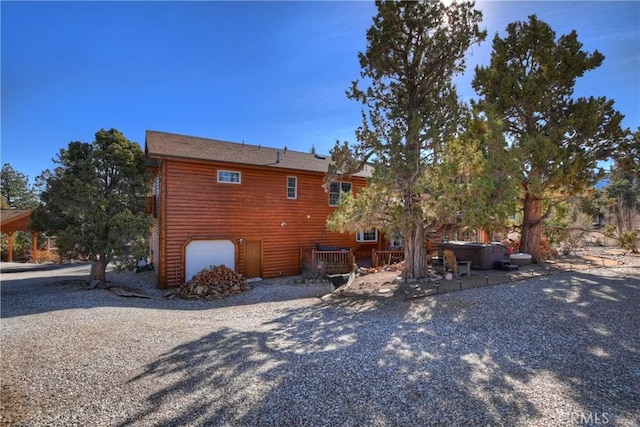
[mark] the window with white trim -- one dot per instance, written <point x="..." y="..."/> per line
<point x="156" y="185"/>
<point x="229" y="177"/>
<point x="292" y="187"/>
<point x="396" y="241"/>
<point x="367" y="235"/>
<point x="335" y="192"/>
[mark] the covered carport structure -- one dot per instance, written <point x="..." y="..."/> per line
<point x="12" y="220"/>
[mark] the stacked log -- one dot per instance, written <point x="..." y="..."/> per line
<point x="398" y="266"/>
<point x="213" y="283"/>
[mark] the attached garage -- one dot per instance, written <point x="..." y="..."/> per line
<point x="200" y="254"/>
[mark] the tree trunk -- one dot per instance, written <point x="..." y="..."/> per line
<point x="415" y="253"/>
<point x="99" y="268"/>
<point x="531" y="227"/>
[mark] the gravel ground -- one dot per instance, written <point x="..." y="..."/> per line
<point x="561" y="350"/>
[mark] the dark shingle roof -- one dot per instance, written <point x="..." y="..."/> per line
<point x="11" y="214"/>
<point x="15" y="219"/>
<point x="170" y="145"/>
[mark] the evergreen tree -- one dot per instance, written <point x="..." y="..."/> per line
<point x="93" y="201"/>
<point x="627" y="156"/>
<point x="557" y="139"/>
<point x="410" y="108"/>
<point x="473" y="184"/>
<point x="623" y="194"/>
<point x="15" y="189"/>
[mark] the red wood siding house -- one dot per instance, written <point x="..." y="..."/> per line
<point x="251" y="206"/>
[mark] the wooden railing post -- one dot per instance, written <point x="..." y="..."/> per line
<point x="331" y="262"/>
<point x="10" y="249"/>
<point x="34" y="245"/>
<point x="379" y="258"/>
<point x="313" y="260"/>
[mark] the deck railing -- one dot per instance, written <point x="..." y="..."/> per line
<point x="380" y="258"/>
<point x="327" y="262"/>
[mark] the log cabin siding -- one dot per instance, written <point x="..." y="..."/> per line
<point x="194" y="205"/>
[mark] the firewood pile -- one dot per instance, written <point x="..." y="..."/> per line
<point x="213" y="283"/>
<point x="399" y="266"/>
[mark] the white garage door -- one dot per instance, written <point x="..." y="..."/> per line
<point x="201" y="254"/>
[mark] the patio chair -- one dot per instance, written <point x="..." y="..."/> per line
<point x="453" y="264"/>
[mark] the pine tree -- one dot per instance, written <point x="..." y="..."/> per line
<point x="15" y="189"/>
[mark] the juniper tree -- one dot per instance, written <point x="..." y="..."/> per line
<point x="93" y="201"/>
<point x="627" y="156"/>
<point x="410" y="107"/>
<point x="558" y="140"/>
<point x="472" y="186"/>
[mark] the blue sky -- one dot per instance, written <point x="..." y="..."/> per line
<point x="269" y="73"/>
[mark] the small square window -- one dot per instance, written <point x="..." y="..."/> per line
<point x="292" y="187"/>
<point x="229" y="177"/>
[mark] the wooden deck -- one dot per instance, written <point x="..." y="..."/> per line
<point x="380" y="258"/>
<point x="326" y="262"/>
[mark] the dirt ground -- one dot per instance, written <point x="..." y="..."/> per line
<point x="387" y="282"/>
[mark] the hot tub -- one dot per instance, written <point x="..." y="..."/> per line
<point x="482" y="255"/>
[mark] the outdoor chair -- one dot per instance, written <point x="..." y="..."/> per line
<point x="453" y="264"/>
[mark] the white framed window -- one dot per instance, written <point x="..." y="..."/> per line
<point x="335" y="192"/>
<point x="396" y="241"/>
<point x="367" y="235"/>
<point x="292" y="187"/>
<point x="156" y="185"/>
<point x="229" y="177"/>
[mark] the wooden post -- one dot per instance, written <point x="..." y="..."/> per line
<point x="10" y="239"/>
<point x="313" y="261"/>
<point x="34" y="245"/>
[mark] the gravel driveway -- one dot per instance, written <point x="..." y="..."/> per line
<point x="562" y="350"/>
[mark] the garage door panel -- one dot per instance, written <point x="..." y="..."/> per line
<point x="201" y="254"/>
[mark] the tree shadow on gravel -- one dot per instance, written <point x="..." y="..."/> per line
<point x="34" y="289"/>
<point x="34" y="295"/>
<point x="557" y="351"/>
